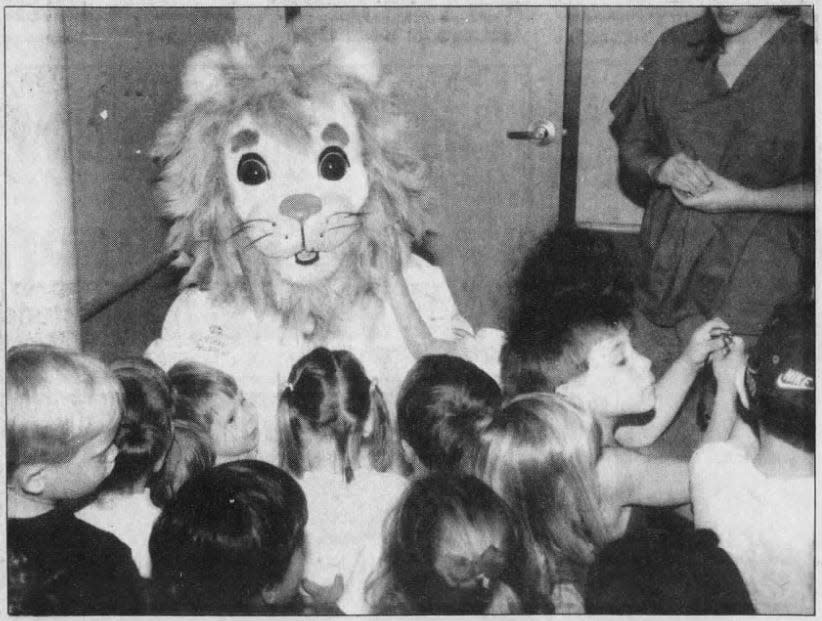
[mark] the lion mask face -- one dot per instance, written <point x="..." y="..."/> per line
<point x="301" y="197"/>
<point x="285" y="173"/>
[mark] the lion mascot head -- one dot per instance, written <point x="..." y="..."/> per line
<point x="286" y="173"/>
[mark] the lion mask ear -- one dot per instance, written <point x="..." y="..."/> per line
<point x="205" y="77"/>
<point x="356" y="57"/>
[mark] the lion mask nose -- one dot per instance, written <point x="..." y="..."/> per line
<point x="300" y="207"/>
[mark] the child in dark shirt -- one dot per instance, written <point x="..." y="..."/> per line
<point x="63" y="410"/>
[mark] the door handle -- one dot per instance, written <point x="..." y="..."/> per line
<point x="542" y="133"/>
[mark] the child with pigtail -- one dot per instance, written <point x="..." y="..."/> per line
<point x="336" y="439"/>
<point x="454" y="547"/>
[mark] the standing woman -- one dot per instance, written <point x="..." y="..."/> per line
<point x="719" y="118"/>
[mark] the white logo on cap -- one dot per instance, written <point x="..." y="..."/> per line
<point x="794" y="380"/>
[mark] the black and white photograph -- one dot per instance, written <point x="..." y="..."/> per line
<point x="409" y="309"/>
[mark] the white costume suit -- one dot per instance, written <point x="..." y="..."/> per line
<point x="259" y="352"/>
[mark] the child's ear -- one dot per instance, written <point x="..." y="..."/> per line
<point x="32" y="479"/>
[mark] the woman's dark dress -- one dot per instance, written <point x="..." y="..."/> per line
<point x="760" y="133"/>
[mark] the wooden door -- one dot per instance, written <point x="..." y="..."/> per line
<point x="466" y="76"/>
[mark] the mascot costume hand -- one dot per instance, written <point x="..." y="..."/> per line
<point x="286" y="176"/>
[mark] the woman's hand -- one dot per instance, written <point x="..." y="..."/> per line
<point x="723" y="195"/>
<point x="684" y="175"/>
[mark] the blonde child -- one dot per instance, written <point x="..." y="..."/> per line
<point x="123" y="505"/>
<point x="454" y="547"/>
<point x="336" y="438"/>
<point x="544" y="455"/>
<point x="62" y="413"/>
<point x="211" y="398"/>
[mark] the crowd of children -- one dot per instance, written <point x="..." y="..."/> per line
<point x="134" y="490"/>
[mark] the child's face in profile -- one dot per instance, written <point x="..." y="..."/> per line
<point x="234" y="429"/>
<point x="85" y="471"/>
<point x="618" y="380"/>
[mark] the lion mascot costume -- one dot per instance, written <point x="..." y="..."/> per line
<point x="287" y="180"/>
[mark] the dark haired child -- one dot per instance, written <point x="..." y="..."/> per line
<point x="62" y="414"/>
<point x="761" y="502"/>
<point x="232" y="542"/>
<point x="212" y="399"/>
<point x="573" y="337"/>
<point x="666" y="573"/>
<point x="453" y="547"/>
<point x="191" y="452"/>
<point x="123" y="505"/>
<point x="442" y="401"/>
<point x="336" y="438"/>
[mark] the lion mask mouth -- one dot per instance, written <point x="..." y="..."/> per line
<point x="307" y="257"/>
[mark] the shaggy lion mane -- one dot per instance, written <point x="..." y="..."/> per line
<point x="223" y="82"/>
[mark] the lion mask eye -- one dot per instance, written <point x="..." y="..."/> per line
<point x="252" y="169"/>
<point x="333" y="163"/>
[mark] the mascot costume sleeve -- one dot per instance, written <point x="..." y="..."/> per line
<point x="286" y="177"/>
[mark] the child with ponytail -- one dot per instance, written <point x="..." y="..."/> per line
<point x="336" y="439"/>
<point x="454" y="547"/>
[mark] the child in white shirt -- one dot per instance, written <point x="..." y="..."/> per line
<point x="336" y="438"/>
<point x="760" y="501"/>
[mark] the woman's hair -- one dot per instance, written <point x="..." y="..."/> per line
<point x="452" y="546"/>
<point x="441" y="403"/>
<point x="328" y="393"/>
<point x="714" y="40"/>
<point x="191" y="452"/>
<point x="195" y="385"/>
<point x="539" y="454"/>
<point x="230" y="533"/>
<point x="572" y="289"/>
<point x="145" y="432"/>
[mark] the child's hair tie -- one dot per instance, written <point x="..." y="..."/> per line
<point x="289" y="387"/>
<point x="462" y="572"/>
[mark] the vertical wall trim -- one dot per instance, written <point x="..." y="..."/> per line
<point x="570" y="118"/>
<point x="41" y="258"/>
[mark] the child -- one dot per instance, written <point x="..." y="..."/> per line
<point x="232" y="542"/>
<point x="761" y="505"/>
<point x="335" y="437"/>
<point x="569" y="332"/>
<point x="545" y="457"/>
<point x="63" y="410"/>
<point x="211" y="399"/>
<point x="123" y="506"/>
<point x="441" y="402"/>
<point x="577" y="343"/>
<point x="453" y="547"/>
<point x="666" y="573"/>
<point x="191" y="453"/>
